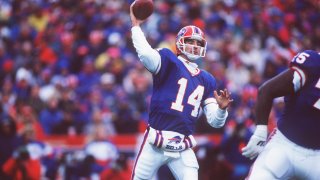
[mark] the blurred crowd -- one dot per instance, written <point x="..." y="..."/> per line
<point x="68" y="67"/>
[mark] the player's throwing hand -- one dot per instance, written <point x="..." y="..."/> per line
<point x="134" y="20"/>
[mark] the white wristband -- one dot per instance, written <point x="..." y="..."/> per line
<point x="261" y="130"/>
<point x="221" y="113"/>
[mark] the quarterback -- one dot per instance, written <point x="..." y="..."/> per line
<point x="180" y="89"/>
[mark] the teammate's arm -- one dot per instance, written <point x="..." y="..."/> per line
<point x="278" y="86"/>
<point x="283" y="84"/>
<point x="149" y="57"/>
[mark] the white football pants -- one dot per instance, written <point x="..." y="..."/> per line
<point x="282" y="159"/>
<point x="150" y="159"/>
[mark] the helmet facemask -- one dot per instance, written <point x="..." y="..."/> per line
<point x="192" y="51"/>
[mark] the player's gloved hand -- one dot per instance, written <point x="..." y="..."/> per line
<point x="256" y="142"/>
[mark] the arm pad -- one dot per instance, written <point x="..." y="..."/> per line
<point x="216" y="117"/>
<point x="149" y="57"/>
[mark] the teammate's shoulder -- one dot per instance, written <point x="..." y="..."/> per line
<point x="306" y="62"/>
<point x="302" y="56"/>
<point x="307" y="58"/>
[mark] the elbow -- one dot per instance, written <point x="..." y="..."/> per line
<point x="218" y="125"/>
<point x="143" y="54"/>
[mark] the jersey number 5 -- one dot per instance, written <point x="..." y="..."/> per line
<point x="194" y="99"/>
<point x="302" y="57"/>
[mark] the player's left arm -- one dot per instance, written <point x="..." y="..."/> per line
<point x="283" y="84"/>
<point x="215" y="108"/>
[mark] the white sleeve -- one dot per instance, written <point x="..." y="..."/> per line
<point x="216" y="117"/>
<point x="149" y="57"/>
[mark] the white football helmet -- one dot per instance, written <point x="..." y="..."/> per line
<point x="194" y="51"/>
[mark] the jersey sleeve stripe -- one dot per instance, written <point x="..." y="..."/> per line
<point x="161" y="140"/>
<point x="187" y="142"/>
<point x="190" y="142"/>
<point x="301" y="78"/>
<point x="157" y="139"/>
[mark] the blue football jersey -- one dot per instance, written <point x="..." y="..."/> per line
<point x="300" y="121"/>
<point x="178" y="94"/>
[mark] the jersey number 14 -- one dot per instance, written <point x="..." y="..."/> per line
<point x="194" y="98"/>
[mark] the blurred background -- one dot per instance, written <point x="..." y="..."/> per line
<point x="74" y="96"/>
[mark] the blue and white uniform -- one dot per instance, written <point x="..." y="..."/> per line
<point x="178" y="94"/>
<point x="300" y="121"/>
<point x="293" y="150"/>
<point x="180" y="89"/>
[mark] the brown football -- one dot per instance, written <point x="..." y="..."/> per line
<point x="142" y="9"/>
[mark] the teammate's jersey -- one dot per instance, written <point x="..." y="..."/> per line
<point x="300" y="121"/>
<point x="178" y="94"/>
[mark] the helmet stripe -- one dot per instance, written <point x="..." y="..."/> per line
<point x="196" y="30"/>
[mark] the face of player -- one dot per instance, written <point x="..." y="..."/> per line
<point x="193" y="46"/>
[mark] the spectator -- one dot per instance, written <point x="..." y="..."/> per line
<point x="100" y="148"/>
<point x="21" y="166"/>
<point x="119" y="170"/>
<point x="100" y="120"/>
<point x="35" y="101"/>
<point x="50" y="116"/>
<point x="213" y="163"/>
<point x="234" y="139"/>
<point x="9" y="141"/>
<point x="23" y="83"/>
<point x="67" y="125"/>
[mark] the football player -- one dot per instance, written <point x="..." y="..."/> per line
<point x="180" y="88"/>
<point x="293" y="148"/>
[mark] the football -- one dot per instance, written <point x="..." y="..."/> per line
<point x="142" y="9"/>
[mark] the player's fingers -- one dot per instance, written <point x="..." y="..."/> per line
<point x="132" y="4"/>
<point x="131" y="11"/>
<point x="215" y="94"/>
<point x="254" y="155"/>
<point x="227" y="94"/>
<point x="246" y="154"/>
<point x="244" y="149"/>
<point x="222" y="93"/>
